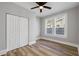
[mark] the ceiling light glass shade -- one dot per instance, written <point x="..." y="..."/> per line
<point x="41" y="7"/>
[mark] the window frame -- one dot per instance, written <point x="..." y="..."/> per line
<point x="64" y="15"/>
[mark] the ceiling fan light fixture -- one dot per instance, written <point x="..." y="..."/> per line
<point x="41" y="7"/>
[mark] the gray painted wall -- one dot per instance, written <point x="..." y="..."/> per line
<point x="72" y="33"/>
<point x="78" y="25"/>
<point x="7" y="7"/>
<point x="34" y="29"/>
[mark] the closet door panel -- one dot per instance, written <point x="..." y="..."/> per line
<point x="11" y="43"/>
<point x="17" y="31"/>
<point x="23" y="31"/>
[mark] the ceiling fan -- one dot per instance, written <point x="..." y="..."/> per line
<point x="41" y="5"/>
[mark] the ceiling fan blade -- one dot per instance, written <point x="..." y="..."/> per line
<point x="40" y="10"/>
<point x="35" y="7"/>
<point x="47" y="7"/>
<point x="41" y="3"/>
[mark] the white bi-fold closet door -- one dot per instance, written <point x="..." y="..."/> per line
<point x="17" y="32"/>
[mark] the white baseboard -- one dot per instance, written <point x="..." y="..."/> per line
<point x="63" y="42"/>
<point x="3" y="52"/>
<point x="33" y="42"/>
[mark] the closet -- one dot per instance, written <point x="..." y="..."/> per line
<point x="17" y="31"/>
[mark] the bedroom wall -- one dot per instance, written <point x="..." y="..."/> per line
<point x="72" y="28"/>
<point x="34" y="29"/>
<point x="78" y="24"/>
<point x="78" y="28"/>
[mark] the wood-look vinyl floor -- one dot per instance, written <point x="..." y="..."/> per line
<point x="44" y="48"/>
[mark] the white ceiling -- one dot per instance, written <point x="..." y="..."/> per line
<point x="56" y="7"/>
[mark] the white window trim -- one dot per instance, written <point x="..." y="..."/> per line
<point x="65" y="30"/>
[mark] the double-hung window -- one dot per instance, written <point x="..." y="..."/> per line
<point x="56" y="26"/>
<point x="49" y="27"/>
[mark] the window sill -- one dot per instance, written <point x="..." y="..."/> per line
<point x="58" y="36"/>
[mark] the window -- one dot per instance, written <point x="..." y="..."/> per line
<point x="56" y="26"/>
<point x="59" y="26"/>
<point x="49" y="27"/>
